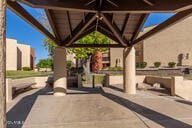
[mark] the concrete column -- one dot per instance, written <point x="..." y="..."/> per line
<point x="60" y="73"/>
<point x="9" y="91"/>
<point x="2" y="64"/>
<point x="129" y="70"/>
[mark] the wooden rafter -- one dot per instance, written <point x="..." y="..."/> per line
<point x="52" y="23"/>
<point x="149" y="2"/>
<point x="86" y="32"/>
<point x="95" y="46"/>
<point x="171" y="21"/>
<point x="90" y="29"/>
<point x="140" y="26"/>
<point x="67" y="5"/>
<point x="69" y="23"/>
<point x="114" y="29"/>
<point x="20" y="11"/>
<point x="90" y="18"/>
<point x="125" y="6"/>
<point x="125" y="25"/>
<point x="106" y="32"/>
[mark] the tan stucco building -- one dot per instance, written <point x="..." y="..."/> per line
<point x="18" y="55"/>
<point x="173" y="44"/>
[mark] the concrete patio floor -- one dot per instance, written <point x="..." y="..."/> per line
<point x="98" y="108"/>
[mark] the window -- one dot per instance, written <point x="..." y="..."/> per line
<point x="106" y="59"/>
<point x="138" y="53"/>
<point x="187" y="56"/>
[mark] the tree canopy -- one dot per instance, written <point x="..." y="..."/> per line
<point x="45" y="63"/>
<point x="92" y="38"/>
<point x="81" y="53"/>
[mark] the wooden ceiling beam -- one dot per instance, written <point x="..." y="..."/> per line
<point x="67" y="5"/>
<point x="149" y="2"/>
<point x="171" y="21"/>
<point x="95" y="46"/>
<point x="52" y="23"/>
<point x="90" y="18"/>
<point x="123" y="6"/>
<point x="106" y="32"/>
<point x="114" y="29"/>
<point x="140" y="26"/>
<point x="125" y="25"/>
<point x="20" y="11"/>
<point x="135" y="6"/>
<point x="69" y="22"/>
<point x="86" y="32"/>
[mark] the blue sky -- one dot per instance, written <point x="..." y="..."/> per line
<point x="24" y="33"/>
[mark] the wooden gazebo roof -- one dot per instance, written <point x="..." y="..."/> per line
<point x="121" y="20"/>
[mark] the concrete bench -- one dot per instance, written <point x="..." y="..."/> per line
<point x="16" y="89"/>
<point x="13" y="90"/>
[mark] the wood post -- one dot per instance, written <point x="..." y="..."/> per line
<point x="2" y="64"/>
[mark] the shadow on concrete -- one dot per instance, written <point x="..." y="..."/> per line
<point x="17" y="115"/>
<point x="84" y="90"/>
<point x="21" y="110"/>
<point x="159" y="91"/>
<point x="184" y="102"/>
<point x="115" y="88"/>
<point x="159" y="118"/>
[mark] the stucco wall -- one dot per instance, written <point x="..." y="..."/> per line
<point x="11" y="54"/>
<point x="182" y="88"/>
<point x="167" y="45"/>
<point x="118" y="79"/>
<point x="17" y="55"/>
<point x="164" y="81"/>
<point x="25" y="56"/>
<point x="32" y="58"/>
<point x="116" y="53"/>
<point x="70" y="57"/>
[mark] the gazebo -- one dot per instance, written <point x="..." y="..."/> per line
<point x="70" y="20"/>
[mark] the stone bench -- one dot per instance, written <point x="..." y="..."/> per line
<point x="16" y="89"/>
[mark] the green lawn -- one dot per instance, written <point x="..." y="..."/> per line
<point x="99" y="79"/>
<point x="24" y="74"/>
<point x="187" y="77"/>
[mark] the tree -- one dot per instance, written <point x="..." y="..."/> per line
<point x="45" y="63"/>
<point x="49" y="45"/>
<point x="85" y="53"/>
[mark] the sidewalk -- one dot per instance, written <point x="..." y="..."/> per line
<point x="104" y="108"/>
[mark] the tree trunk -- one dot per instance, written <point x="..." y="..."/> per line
<point x="2" y="65"/>
<point x="97" y="63"/>
<point x="86" y="68"/>
<point x="88" y="63"/>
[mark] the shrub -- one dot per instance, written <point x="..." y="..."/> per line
<point x="26" y="69"/>
<point x="157" y="64"/>
<point x="115" y="68"/>
<point x="69" y="64"/>
<point x="119" y="68"/>
<point x="171" y="64"/>
<point x="142" y="64"/>
<point x="112" y="68"/>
